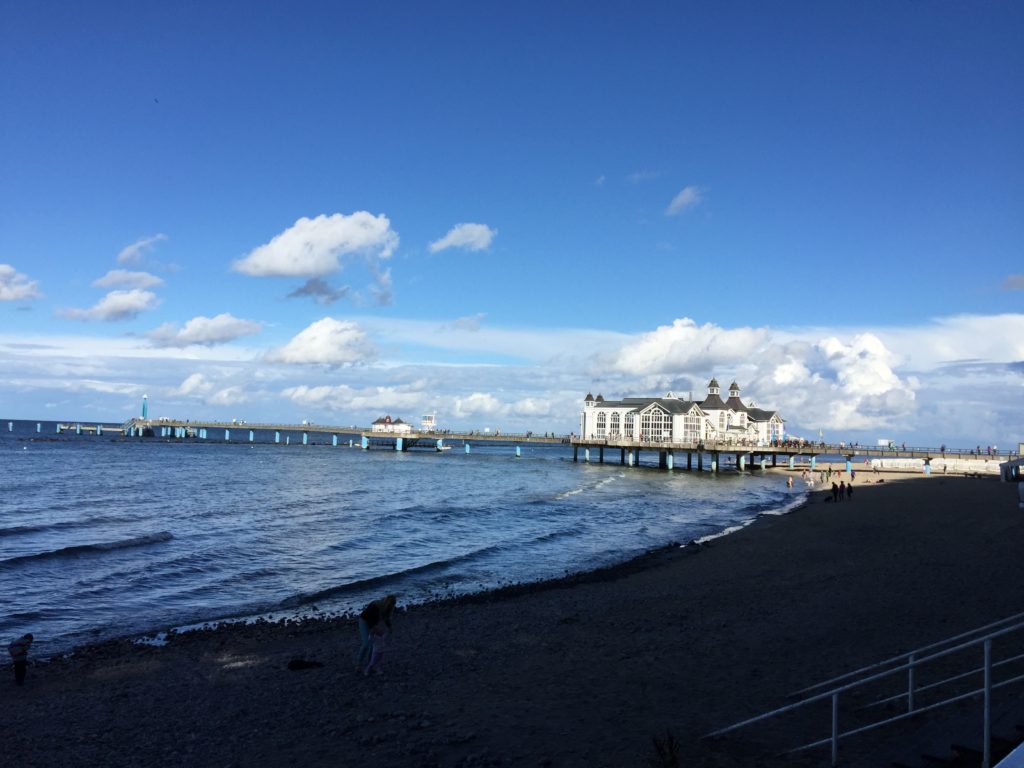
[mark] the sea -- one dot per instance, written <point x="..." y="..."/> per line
<point x="103" y="536"/>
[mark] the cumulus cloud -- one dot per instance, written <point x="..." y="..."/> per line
<point x="1014" y="283"/>
<point x="472" y="237"/>
<point x="14" y="286"/>
<point x="318" y="290"/>
<point x="687" y="198"/>
<point x="341" y="397"/>
<point x="315" y="247"/>
<point x="478" y="404"/>
<point x="116" y="305"/>
<point x="195" y="384"/>
<point x="123" y="278"/>
<point x="686" y="345"/>
<point x="206" y="331"/>
<point x="327" y="342"/>
<point x="132" y="254"/>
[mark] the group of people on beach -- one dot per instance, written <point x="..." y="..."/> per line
<point x="842" y="491"/>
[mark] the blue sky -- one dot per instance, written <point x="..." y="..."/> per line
<point x="333" y="211"/>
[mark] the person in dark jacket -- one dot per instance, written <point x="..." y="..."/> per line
<point x="377" y="613"/>
<point x="19" y="653"/>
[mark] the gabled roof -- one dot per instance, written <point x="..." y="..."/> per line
<point x="638" y="404"/>
<point x="759" y="414"/>
<point x="713" y="403"/>
<point x="736" y="404"/>
<point x="383" y="420"/>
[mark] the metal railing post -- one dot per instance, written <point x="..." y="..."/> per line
<point x="986" y="734"/>
<point x="835" y="729"/>
<point x="910" y="684"/>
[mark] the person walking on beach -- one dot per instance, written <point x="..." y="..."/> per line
<point x="378" y="641"/>
<point x="849" y="490"/>
<point x="377" y="613"/>
<point x="835" y="492"/>
<point x="842" y="490"/>
<point x="19" y="653"/>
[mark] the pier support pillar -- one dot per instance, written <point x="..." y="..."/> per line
<point x="518" y="452"/>
<point x="10" y="426"/>
<point x="741" y="461"/>
<point x="287" y="439"/>
<point x="334" y="441"/>
<point x="622" y="455"/>
<point x="277" y="437"/>
<point x="670" y="460"/>
<point x="775" y="458"/>
<point x="78" y="429"/>
<point x="630" y="457"/>
<point x="714" y="461"/>
<point x="39" y="427"/>
<point x="440" y="445"/>
<point x="689" y="460"/>
<point x="350" y="443"/>
<point x="398" y="442"/>
<point x="792" y="459"/>
<point x="227" y="435"/>
<point x="927" y="466"/>
<point x="662" y="459"/>
<point x="364" y="443"/>
<point x="814" y="461"/>
<point x="586" y="455"/>
<point x="252" y="436"/>
<point x="700" y="462"/>
<point x="849" y="464"/>
<point x="466" y="445"/>
<point x="762" y="463"/>
<point x="575" y="453"/>
<point x="600" y="454"/>
<point x="305" y="438"/>
<point x="99" y="429"/>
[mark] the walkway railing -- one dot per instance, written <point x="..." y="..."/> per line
<point x="908" y="666"/>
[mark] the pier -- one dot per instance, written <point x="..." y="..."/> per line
<point x="628" y="451"/>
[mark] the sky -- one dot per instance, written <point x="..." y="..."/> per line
<point x="336" y="211"/>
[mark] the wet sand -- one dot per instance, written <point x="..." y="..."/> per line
<point x="577" y="672"/>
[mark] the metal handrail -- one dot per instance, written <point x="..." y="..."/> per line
<point x="908" y="654"/>
<point x="912" y="662"/>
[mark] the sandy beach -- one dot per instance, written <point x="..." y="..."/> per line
<point x="578" y="672"/>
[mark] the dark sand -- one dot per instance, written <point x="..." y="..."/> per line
<point x="580" y="672"/>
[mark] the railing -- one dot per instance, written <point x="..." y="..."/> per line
<point x="910" y="664"/>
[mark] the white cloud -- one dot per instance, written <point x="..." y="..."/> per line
<point x="472" y="237"/>
<point x="328" y="342"/>
<point x="686" y="346"/>
<point x="203" y="330"/>
<point x="228" y="396"/>
<point x="478" y="404"/>
<point x="314" y="247"/>
<point x="688" y="197"/>
<point x="14" y="286"/>
<point x="195" y="384"/>
<point x="116" y="305"/>
<point x="123" y="278"/>
<point x="132" y="254"/>
<point x="470" y="323"/>
<point x="1014" y="283"/>
<point x="368" y="399"/>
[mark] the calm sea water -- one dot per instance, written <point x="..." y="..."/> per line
<point x="103" y="536"/>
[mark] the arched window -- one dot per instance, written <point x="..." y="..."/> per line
<point x="615" y="424"/>
<point x="628" y="424"/>
<point x="602" y="421"/>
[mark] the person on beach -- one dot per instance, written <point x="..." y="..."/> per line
<point x="835" y="492"/>
<point x="377" y="613"/>
<point x="849" y="490"/>
<point x="378" y="641"/>
<point x="19" y="653"/>
<point x="842" y="490"/>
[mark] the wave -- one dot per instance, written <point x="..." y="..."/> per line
<point x="785" y="509"/>
<point x="586" y="487"/>
<point x="77" y="549"/>
<point x="16" y="530"/>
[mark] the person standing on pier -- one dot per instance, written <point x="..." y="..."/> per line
<point x="19" y="653"/>
<point x="376" y="615"/>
